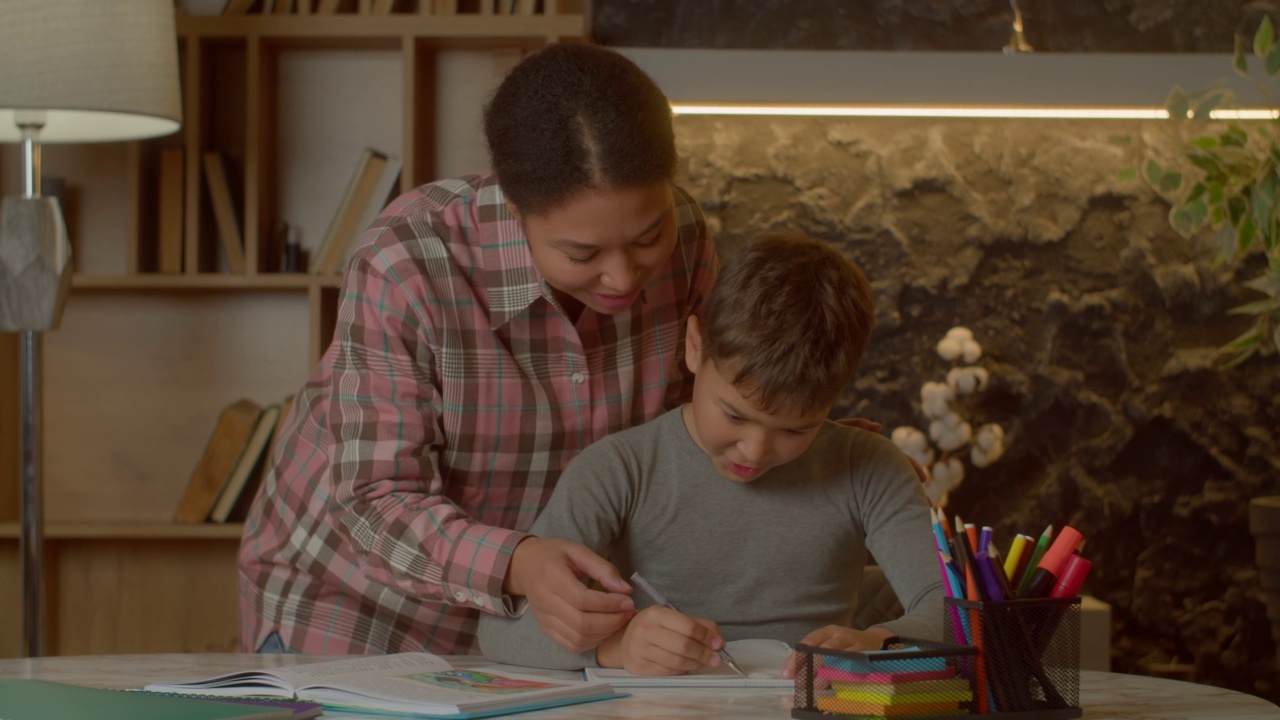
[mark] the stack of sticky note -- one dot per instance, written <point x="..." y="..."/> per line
<point x="892" y="688"/>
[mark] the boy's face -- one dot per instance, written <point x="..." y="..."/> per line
<point x="742" y="440"/>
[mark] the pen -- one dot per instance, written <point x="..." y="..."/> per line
<point x="1037" y="551"/>
<point x="658" y="598"/>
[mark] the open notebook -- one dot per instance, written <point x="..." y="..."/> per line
<point x="760" y="659"/>
<point x="413" y="684"/>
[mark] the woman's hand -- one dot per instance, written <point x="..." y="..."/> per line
<point x="553" y="575"/>
<point x="873" y="426"/>
<point x="838" y="637"/>
<point x="662" y="641"/>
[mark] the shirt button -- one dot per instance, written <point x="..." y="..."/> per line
<point x="579" y="377"/>
<point x="460" y="596"/>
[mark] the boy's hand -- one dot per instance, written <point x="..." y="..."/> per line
<point x="838" y="637"/>
<point x="662" y="641"/>
<point x="553" y="576"/>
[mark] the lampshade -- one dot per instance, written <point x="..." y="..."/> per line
<point x="956" y="84"/>
<point x="102" y="70"/>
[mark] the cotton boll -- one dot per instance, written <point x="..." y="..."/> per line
<point x="960" y="333"/>
<point x="949" y="349"/>
<point x="982" y="458"/>
<point x="980" y="374"/>
<point x="908" y="439"/>
<point x="962" y="380"/>
<point x="935" y="399"/>
<point x="944" y="476"/>
<point x="989" y="436"/>
<point x="950" y="431"/>
<point x="971" y="351"/>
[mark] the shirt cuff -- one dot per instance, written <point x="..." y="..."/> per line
<point x="475" y="570"/>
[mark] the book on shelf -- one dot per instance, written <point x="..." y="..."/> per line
<point x="224" y="210"/>
<point x="245" y="477"/>
<point x="238" y="7"/>
<point x="418" y="684"/>
<point x="345" y="226"/>
<point x="169" y="241"/>
<point x="235" y="426"/>
<point x="761" y="659"/>
<point x="26" y="699"/>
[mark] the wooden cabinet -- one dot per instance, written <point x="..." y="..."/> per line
<point x="143" y="362"/>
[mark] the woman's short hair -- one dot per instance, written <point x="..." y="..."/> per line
<point x="571" y="117"/>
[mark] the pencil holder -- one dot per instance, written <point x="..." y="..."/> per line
<point x="906" y="678"/>
<point x="1028" y="661"/>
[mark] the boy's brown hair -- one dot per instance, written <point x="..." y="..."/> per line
<point x="789" y="319"/>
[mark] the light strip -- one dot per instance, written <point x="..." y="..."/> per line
<point x="935" y="112"/>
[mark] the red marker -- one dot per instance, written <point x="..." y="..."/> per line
<point x="1072" y="577"/>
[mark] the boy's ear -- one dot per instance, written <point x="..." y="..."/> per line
<point x="693" y="344"/>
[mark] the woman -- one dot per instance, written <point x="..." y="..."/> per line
<point x="489" y="328"/>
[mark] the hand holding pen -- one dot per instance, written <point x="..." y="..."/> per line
<point x="645" y="587"/>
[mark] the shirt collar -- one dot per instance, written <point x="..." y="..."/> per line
<point x="512" y="281"/>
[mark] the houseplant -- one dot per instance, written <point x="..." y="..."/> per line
<point x="1227" y="182"/>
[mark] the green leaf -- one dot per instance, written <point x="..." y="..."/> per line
<point x="1205" y="142"/>
<point x="1269" y="284"/>
<point x="1215" y="192"/>
<point x="1178" y="104"/>
<point x="1238" y="359"/>
<point x="1238" y="60"/>
<point x="1170" y="182"/>
<point x="1153" y="173"/>
<point x="1195" y="193"/>
<point x="1207" y="102"/>
<point x="1245" y="234"/>
<point x="1224" y="240"/>
<point x="1256" y="307"/>
<point x="1264" y="38"/>
<point x="1205" y="161"/>
<point x="1235" y="135"/>
<point x="1249" y="339"/>
<point x="1127" y="175"/>
<point x="1236" y="208"/>
<point x="1273" y="61"/>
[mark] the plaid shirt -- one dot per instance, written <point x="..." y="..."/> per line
<point x="435" y="427"/>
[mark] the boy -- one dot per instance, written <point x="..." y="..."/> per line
<point x="749" y="510"/>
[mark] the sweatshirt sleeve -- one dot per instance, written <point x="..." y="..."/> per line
<point x="588" y="506"/>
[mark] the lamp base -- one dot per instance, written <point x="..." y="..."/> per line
<point x="35" y="264"/>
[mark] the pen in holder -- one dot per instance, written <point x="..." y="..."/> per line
<point x="1030" y="650"/>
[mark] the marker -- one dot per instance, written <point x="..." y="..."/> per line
<point x="1028" y="545"/>
<point x="1036" y="553"/>
<point x="1052" y="563"/>
<point x="1072" y="577"/>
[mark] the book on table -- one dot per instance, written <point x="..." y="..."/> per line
<point x="26" y="699"/>
<point x="413" y="684"/>
<point x="761" y="659"/>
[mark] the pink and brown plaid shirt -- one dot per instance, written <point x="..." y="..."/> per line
<point x="435" y="427"/>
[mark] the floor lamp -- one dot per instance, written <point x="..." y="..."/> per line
<point x="70" y="71"/>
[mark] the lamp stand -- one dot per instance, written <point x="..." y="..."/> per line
<point x="35" y="277"/>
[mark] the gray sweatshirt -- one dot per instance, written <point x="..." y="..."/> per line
<point x="775" y="558"/>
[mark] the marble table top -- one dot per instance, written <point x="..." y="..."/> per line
<point x="1103" y="695"/>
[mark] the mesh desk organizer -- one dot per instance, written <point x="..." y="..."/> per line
<point x="1013" y="659"/>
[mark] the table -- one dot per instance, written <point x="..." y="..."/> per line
<point x="1103" y="695"/>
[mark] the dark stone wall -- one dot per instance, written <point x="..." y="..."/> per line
<point x="1049" y="25"/>
<point x="1098" y="320"/>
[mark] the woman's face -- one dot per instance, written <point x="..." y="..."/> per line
<point x="600" y="247"/>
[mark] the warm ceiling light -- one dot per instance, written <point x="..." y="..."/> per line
<point x="844" y="83"/>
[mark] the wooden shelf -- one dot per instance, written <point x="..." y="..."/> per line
<point x="205" y="281"/>
<point x="130" y="531"/>
<point x="466" y="30"/>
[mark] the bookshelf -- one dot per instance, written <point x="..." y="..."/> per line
<point x="136" y="375"/>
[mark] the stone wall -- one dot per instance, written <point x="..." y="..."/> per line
<point x="1099" y="322"/>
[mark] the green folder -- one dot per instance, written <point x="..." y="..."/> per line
<point x="42" y="700"/>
